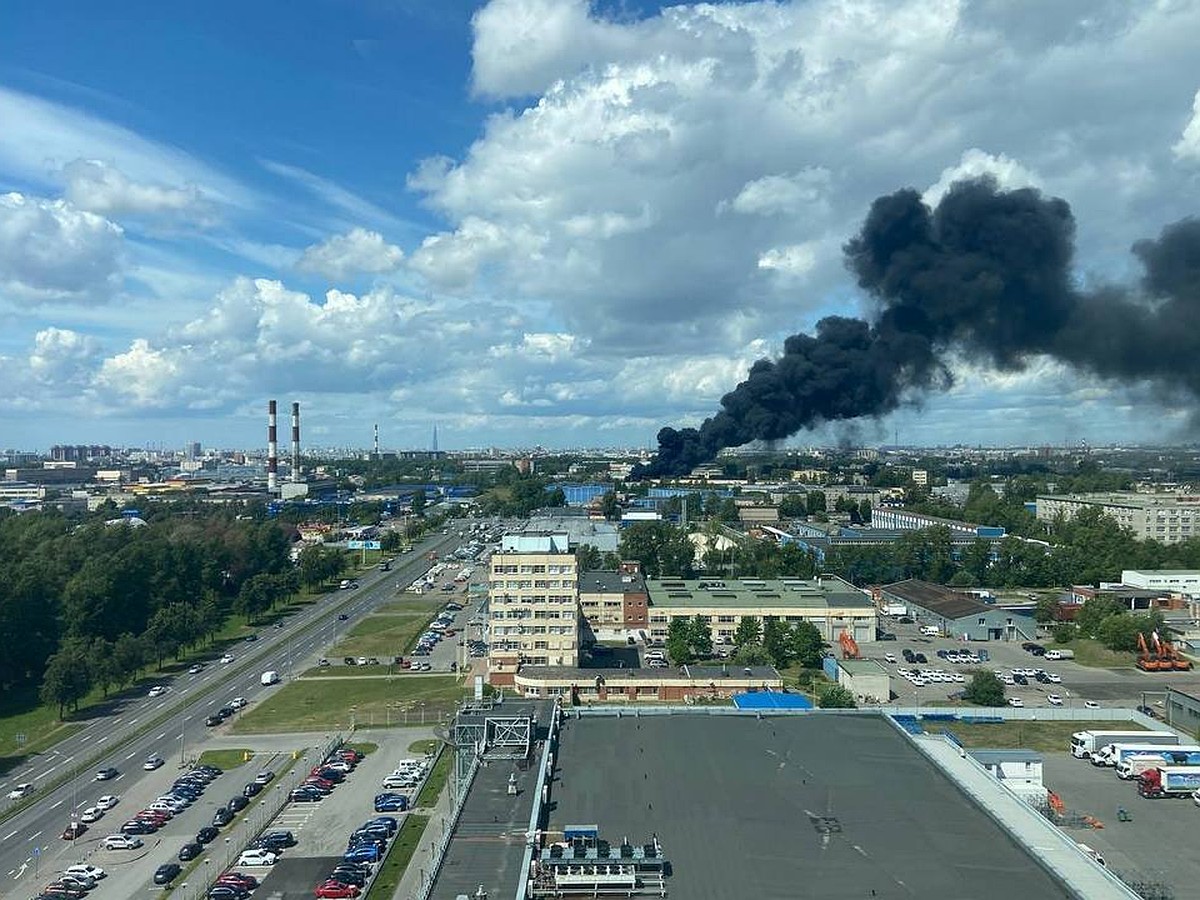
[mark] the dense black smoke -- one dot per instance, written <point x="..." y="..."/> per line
<point x="987" y="273"/>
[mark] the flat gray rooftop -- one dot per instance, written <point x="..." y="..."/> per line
<point x="739" y="805"/>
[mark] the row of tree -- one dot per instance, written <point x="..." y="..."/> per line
<point x="71" y="591"/>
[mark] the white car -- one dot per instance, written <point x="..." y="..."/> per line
<point x="239" y="702"/>
<point x="392" y="782"/>
<point x="1016" y="701"/>
<point x="107" y="802"/>
<point x="227" y="658"/>
<point x="121" y="842"/>
<point x="157" y="691"/>
<point x="960" y="678"/>
<point x="257" y="858"/>
<point x="152" y="763"/>
<point x="1054" y="699"/>
<point x="196" y="669"/>
<point x="889" y="657"/>
<point x="1054" y="678"/>
<point x="91" y="814"/>
<point x="1090" y="704"/>
<point x="20" y="791"/>
<point x="85" y="871"/>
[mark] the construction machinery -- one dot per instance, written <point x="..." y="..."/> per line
<point x="1169" y="655"/>
<point x="849" y="645"/>
<point x="1148" y="660"/>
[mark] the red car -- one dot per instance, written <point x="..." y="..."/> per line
<point x="319" y="781"/>
<point x="150" y="815"/>
<point x="406" y="663"/>
<point x="249" y="882"/>
<point x="74" y="830"/>
<point x="336" y="889"/>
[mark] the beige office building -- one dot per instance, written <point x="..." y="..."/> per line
<point x="533" y="606"/>
<point x="828" y="602"/>
<point x="1167" y="518"/>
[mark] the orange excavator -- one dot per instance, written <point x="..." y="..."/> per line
<point x="849" y="645"/>
<point x="1150" y="661"/>
<point x="1170" y="658"/>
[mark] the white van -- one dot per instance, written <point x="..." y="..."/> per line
<point x="930" y="630"/>
<point x="1092" y="853"/>
<point x="270" y="677"/>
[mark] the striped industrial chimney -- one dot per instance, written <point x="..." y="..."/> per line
<point x="272" y="450"/>
<point x="376" y="441"/>
<point x="295" y="442"/>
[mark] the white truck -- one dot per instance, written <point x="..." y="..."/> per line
<point x="1085" y="743"/>
<point x="890" y="609"/>
<point x="270" y="677"/>
<point x="1112" y="754"/>
<point x="1060" y="654"/>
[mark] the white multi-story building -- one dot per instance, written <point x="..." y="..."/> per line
<point x="1167" y="518"/>
<point x="533" y="606"/>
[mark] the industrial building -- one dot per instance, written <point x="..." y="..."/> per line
<point x="533" y="605"/>
<point x="686" y="684"/>
<point x="579" y="530"/>
<point x="1166" y="518"/>
<point x="905" y="520"/>
<point x="956" y="614"/>
<point x="868" y="681"/>
<point x="621" y="803"/>
<point x="1020" y="770"/>
<point x="820" y="540"/>
<point x="614" y="605"/>
<point x="828" y="602"/>
<point x="1168" y="581"/>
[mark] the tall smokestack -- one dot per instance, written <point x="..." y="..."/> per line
<point x="272" y="450"/>
<point x="377" y="440"/>
<point x="295" y="442"/>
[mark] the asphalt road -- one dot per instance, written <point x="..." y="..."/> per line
<point x="30" y="842"/>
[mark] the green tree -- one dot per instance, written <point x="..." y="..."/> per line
<point x="815" y="502"/>
<point x="834" y="696"/>
<point x="418" y="504"/>
<point x="700" y="637"/>
<point x="985" y="689"/>
<point x="66" y="680"/>
<point x="105" y="673"/>
<point x="777" y="641"/>
<point x="749" y="631"/>
<point x="806" y="645"/>
<point x="610" y="508"/>
<point x="1095" y="612"/>
<point x="752" y="654"/>
<point x="1064" y="632"/>
<point x="793" y="506"/>
<point x="679" y="643"/>
<point x="588" y="558"/>
<point x="128" y="653"/>
<point x="1046" y="610"/>
<point x="1121" y="632"/>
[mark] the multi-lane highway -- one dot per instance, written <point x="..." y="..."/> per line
<point x="30" y="840"/>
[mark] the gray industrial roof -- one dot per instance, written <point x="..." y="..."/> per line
<point x="830" y="806"/>
<point x="676" y="593"/>
<point x="941" y="601"/>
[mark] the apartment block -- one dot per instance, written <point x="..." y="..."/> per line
<point x="533" y="606"/>
<point x="1166" y="518"/>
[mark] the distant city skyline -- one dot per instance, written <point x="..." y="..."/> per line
<point x="554" y="222"/>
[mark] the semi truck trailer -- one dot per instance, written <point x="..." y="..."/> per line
<point x="1085" y="743"/>
<point x="1112" y="754"/>
<point x="1169" y="781"/>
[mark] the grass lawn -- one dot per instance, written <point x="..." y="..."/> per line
<point x="1024" y="735"/>
<point x="426" y="746"/>
<point x="436" y="782"/>
<point x="312" y="705"/>
<point x="366" y="748"/>
<point x="407" y="839"/>
<point x="225" y="759"/>
<point x="392" y="631"/>
<point x="1092" y="653"/>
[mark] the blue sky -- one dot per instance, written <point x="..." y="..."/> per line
<point x="536" y="221"/>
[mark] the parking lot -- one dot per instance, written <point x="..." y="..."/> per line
<point x="1077" y="686"/>
<point x="1148" y="848"/>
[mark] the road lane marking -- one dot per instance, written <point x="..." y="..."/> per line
<point x="57" y="805"/>
<point x="10" y="834"/>
<point x="161" y="736"/>
<point x="33" y="837"/>
<point x="131" y="756"/>
<point x="44" y="774"/>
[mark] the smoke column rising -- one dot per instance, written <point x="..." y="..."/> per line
<point x="988" y="273"/>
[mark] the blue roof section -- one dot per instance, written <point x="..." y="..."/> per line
<point x="771" y="700"/>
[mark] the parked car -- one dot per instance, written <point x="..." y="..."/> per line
<point x="257" y="858"/>
<point x="138" y="826"/>
<point x="336" y="889"/>
<point x="222" y="817"/>
<point x="264" y="777"/>
<point x="83" y="870"/>
<point x="1054" y="700"/>
<point x="237" y="803"/>
<point x="190" y="851"/>
<point x="207" y="835"/>
<point x="108" y="801"/>
<point x="166" y="873"/>
<point x="213" y="721"/>
<point x="1016" y="701"/>
<point x="121" y="842"/>
<point x="305" y="795"/>
<point x="73" y="831"/>
<point x="252" y="789"/>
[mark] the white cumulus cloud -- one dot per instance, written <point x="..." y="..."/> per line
<point x="357" y="251"/>
<point x="100" y="188"/>
<point x="1188" y="145"/>
<point x="51" y="250"/>
<point x="1007" y="172"/>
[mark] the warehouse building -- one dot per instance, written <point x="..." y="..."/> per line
<point x="1167" y="518"/>
<point x="956" y="614"/>
<point x="685" y="684"/>
<point x="1168" y="581"/>
<point x="864" y="678"/>
<point x="828" y="602"/>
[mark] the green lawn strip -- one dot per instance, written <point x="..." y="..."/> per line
<point x="224" y="759"/>
<point x="366" y="748"/>
<point x="382" y="636"/>
<point x="405" y="844"/>
<point x="333" y="704"/>
<point x="1094" y="654"/>
<point x="423" y="746"/>
<point x="1022" y="734"/>
<point x="436" y="782"/>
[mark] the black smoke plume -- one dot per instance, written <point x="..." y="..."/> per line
<point x="986" y="273"/>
